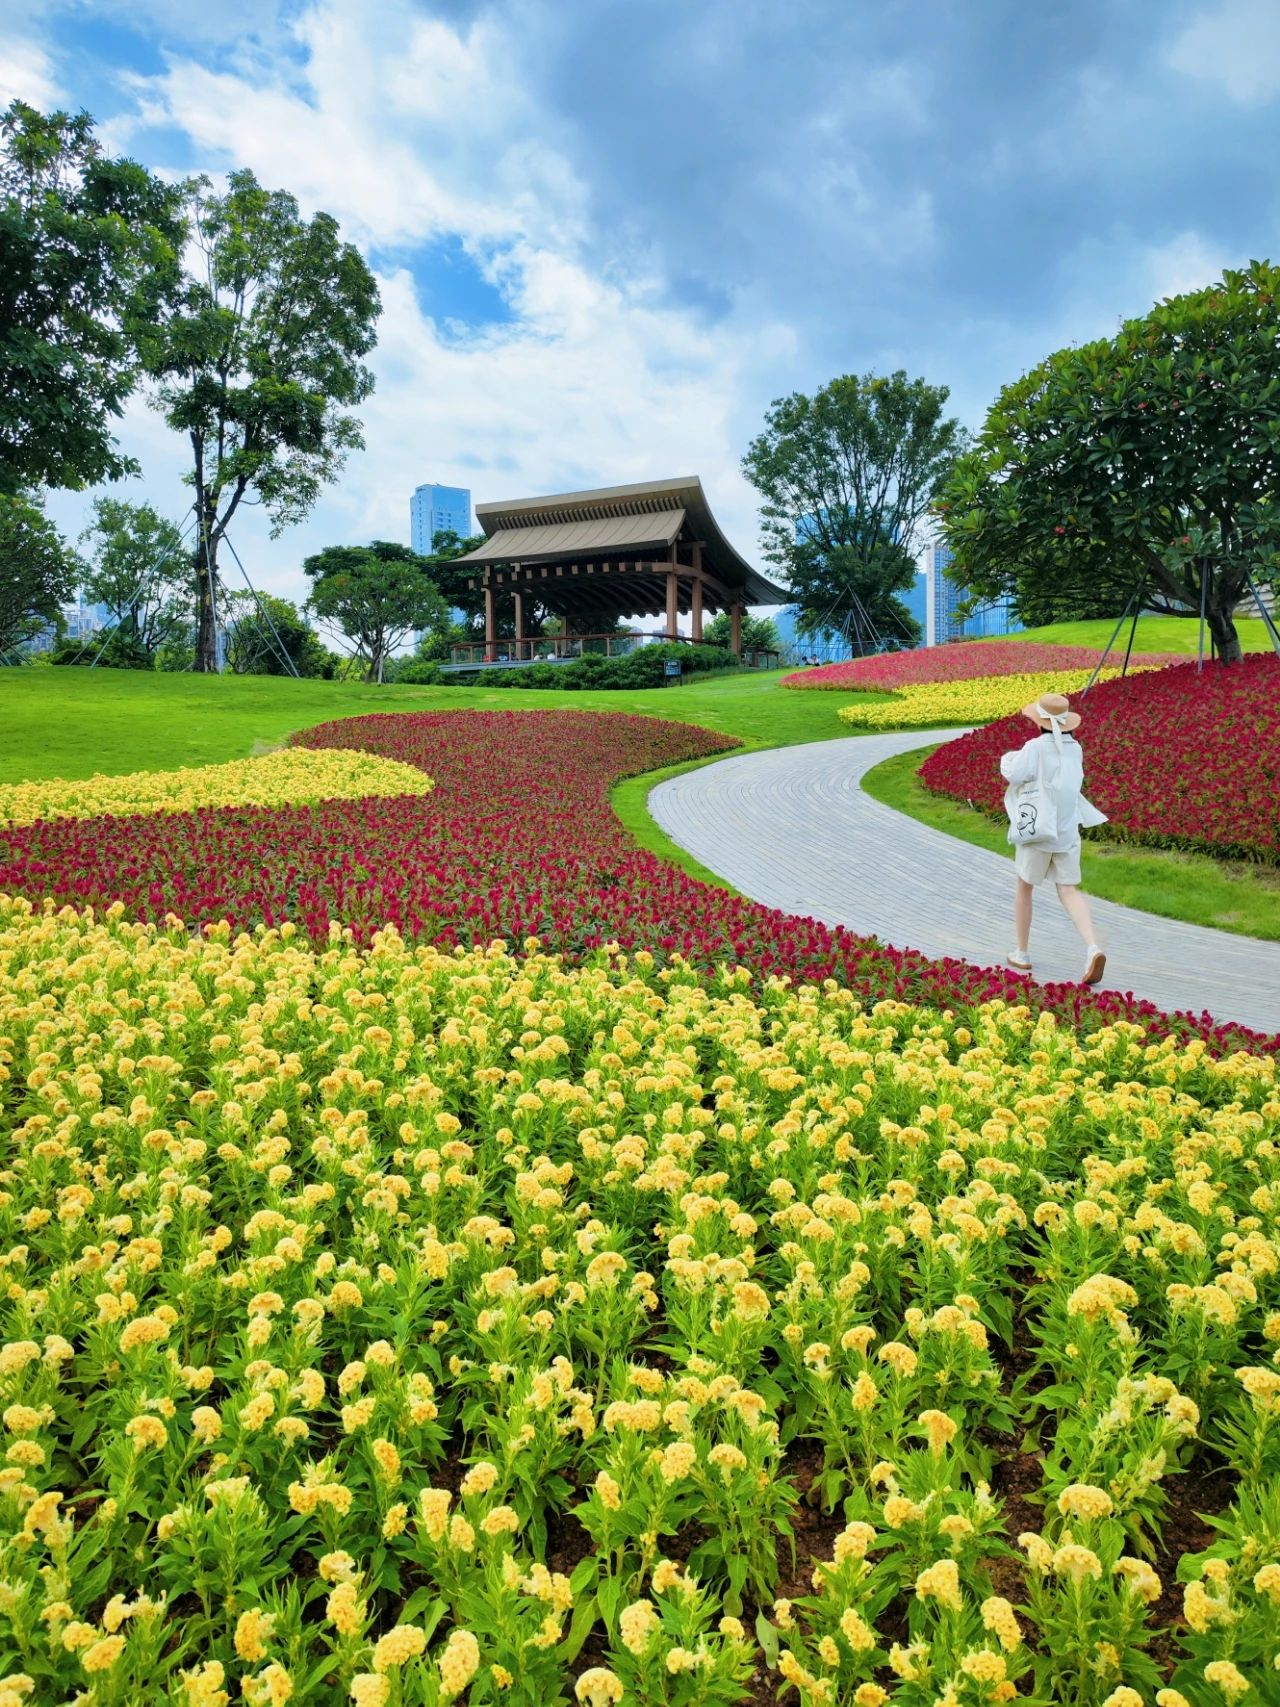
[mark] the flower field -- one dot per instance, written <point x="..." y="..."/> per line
<point x="405" y="1326"/>
<point x="1178" y="758"/>
<point x="959" y="662"/>
<point x="518" y="839"/>
<point x="674" y="1303"/>
<point x="292" y="777"/>
<point x="978" y="699"/>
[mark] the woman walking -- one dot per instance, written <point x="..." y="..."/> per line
<point x="1046" y="810"/>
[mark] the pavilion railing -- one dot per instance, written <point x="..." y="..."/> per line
<point x="564" y="648"/>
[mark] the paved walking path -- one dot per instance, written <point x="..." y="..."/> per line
<point x="793" y="828"/>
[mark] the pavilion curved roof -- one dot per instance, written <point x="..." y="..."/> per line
<point x="652" y="516"/>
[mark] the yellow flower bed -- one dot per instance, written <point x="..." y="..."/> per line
<point x="343" y="1289"/>
<point x="294" y="776"/>
<point x="982" y="699"/>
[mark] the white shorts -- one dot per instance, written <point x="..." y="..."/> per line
<point x="1040" y="865"/>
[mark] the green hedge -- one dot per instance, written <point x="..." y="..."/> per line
<point x="643" y="668"/>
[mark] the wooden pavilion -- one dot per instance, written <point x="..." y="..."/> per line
<point x="652" y="550"/>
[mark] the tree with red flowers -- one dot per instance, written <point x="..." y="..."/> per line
<point x="1153" y="456"/>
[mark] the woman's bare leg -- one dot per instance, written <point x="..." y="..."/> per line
<point x="1022" y="895"/>
<point x="1077" y="910"/>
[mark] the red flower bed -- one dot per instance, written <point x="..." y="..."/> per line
<point x="1177" y="758"/>
<point x="963" y="661"/>
<point x="518" y="839"/>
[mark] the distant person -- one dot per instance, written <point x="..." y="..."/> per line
<point x="1046" y="810"/>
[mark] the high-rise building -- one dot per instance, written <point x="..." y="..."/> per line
<point x="942" y="598"/>
<point x="916" y="599"/>
<point x="435" y="509"/>
<point x="829" y="645"/>
<point x="999" y="616"/>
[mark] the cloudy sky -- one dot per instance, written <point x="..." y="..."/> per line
<point x="609" y="232"/>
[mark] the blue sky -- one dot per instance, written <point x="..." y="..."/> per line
<point x="608" y="233"/>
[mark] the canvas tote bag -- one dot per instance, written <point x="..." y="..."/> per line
<point x="1032" y="805"/>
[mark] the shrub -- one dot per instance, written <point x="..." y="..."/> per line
<point x="645" y="667"/>
<point x="415" y="672"/>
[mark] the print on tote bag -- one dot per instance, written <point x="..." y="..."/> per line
<point x="1033" y="813"/>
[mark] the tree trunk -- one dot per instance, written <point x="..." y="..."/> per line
<point x="206" y="615"/>
<point x="1219" y="611"/>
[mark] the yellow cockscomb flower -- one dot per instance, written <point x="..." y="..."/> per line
<point x="294" y="776"/>
<point x="979" y="699"/>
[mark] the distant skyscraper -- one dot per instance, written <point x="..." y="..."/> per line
<point x="916" y="599"/>
<point x="435" y="509"/>
<point x="942" y="598"/>
<point x="998" y="617"/>
<point x="828" y="645"/>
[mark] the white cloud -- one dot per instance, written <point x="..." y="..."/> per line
<point x="1186" y="263"/>
<point x="26" y="74"/>
<point x="1235" y="45"/>
<point x="406" y="131"/>
<point x="400" y="127"/>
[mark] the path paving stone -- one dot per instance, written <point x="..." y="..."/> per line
<point x="793" y="828"/>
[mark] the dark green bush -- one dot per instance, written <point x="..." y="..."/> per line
<point x="643" y="668"/>
<point x="415" y="672"/>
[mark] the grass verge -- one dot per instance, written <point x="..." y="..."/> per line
<point x="1228" y="895"/>
<point x="1155" y="634"/>
<point x="76" y="722"/>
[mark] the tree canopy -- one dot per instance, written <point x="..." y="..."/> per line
<point x="38" y="571"/>
<point x="372" y="598"/>
<point x="1152" y="458"/>
<point x="258" y="359"/>
<point x="266" y="631"/>
<point x="138" y="566"/>
<point x="846" y="476"/>
<point x="88" y="244"/>
<point x="759" y="633"/>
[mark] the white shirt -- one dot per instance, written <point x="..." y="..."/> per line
<point x="1063" y="778"/>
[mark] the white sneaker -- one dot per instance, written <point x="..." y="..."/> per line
<point x="1019" y="961"/>
<point x="1095" y="965"/>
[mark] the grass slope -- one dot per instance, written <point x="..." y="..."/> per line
<point x="75" y="723"/>
<point x="1229" y="895"/>
<point x="1155" y="634"/>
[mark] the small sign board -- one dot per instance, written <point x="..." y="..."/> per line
<point x="672" y="668"/>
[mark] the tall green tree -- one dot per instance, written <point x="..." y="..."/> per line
<point x="137" y="565"/>
<point x="846" y="476"/>
<point x="265" y="631"/>
<point x="1151" y="457"/>
<point x="759" y="633"/>
<point x="88" y="246"/>
<point x="38" y="571"/>
<point x="372" y="598"/>
<point x="258" y="359"/>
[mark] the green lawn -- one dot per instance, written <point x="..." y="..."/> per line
<point x="1155" y="634"/>
<point x="1231" y="895"/>
<point x="74" y="723"/>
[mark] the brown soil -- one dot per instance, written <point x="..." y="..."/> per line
<point x="1193" y="1496"/>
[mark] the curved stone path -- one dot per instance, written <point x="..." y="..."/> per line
<point x="793" y="828"/>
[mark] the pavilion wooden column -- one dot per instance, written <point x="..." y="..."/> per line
<point x="673" y="604"/>
<point x="518" y="599"/>
<point x="697" y="608"/>
<point x="735" y="630"/>
<point x="490" y="623"/>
